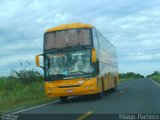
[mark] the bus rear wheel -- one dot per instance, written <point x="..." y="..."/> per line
<point x="115" y="86"/>
<point x="101" y="94"/>
<point x="63" y="99"/>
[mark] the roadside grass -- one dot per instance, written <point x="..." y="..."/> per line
<point x="155" y="77"/>
<point x="124" y="79"/>
<point x="22" y="89"/>
<point x="129" y="76"/>
<point x="15" y="95"/>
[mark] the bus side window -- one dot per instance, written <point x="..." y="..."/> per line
<point x="95" y="38"/>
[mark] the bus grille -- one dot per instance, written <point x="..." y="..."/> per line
<point x="69" y="86"/>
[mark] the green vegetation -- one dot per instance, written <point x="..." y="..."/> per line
<point x="155" y="76"/>
<point x="20" y="89"/>
<point x="129" y="76"/>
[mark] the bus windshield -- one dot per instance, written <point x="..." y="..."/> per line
<point x="67" y="38"/>
<point x="61" y="65"/>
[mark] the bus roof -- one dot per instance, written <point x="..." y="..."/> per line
<point x="69" y="26"/>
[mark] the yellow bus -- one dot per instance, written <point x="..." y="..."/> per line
<point x="78" y="60"/>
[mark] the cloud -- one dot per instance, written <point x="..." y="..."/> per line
<point x="132" y="26"/>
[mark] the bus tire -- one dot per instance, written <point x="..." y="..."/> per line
<point x="115" y="86"/>
<point x="63" y="99"/>
<point x="101" y="94"/>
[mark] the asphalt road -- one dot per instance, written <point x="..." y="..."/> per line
<point x="135" y="96"/>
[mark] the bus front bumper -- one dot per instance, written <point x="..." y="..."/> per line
<point x="88" y="87"/>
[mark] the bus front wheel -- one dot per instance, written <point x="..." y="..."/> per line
<point x="63" y="99"/>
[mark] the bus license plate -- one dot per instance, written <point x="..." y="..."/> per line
<point x="69" y="91"/>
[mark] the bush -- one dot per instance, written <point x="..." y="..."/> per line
<point x="155" y="73"/>
<point x="130" y="75"/>
<point x="26" y="76"/>
<point x="155" y="76"/>
<point x="21" y="87"/>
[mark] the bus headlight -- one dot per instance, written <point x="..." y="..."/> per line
<point x="50" y="90"/>
<point x="89" y="86"/>
<point x="81" y="81"/>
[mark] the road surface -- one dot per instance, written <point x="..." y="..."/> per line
<point x="135" y="96"/>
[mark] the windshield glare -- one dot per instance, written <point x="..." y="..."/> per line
<point x="68" y="64"/>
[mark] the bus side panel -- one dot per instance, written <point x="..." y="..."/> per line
<point x="106" y="80"/>
<point x="107" y="57"/>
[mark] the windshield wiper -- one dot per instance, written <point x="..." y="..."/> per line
<point x="79" y="72"/>
<point x="58" y="76"/>
<point x="79" y="46"/>
<point x="84" y="47"/>
<point x="58" y="49"/>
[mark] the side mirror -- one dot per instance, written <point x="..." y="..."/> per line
<point x="93" y="56"/>
<point x="38" y="61"/>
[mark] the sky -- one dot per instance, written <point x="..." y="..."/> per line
<point x="133" y="26"/>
